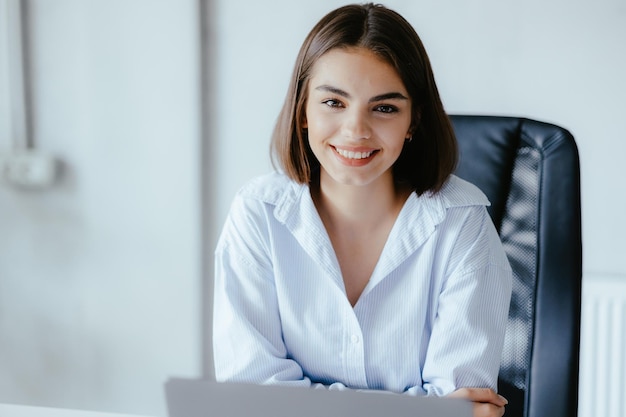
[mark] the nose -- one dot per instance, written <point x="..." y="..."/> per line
<point x="357" y="125"/>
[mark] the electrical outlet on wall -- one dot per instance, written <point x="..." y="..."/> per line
<point x="27" y="169"/>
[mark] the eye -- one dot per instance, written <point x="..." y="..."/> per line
<point x="384" y="108"/>
<point x="333" y="103"/>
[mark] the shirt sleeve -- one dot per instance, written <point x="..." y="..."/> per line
<point x="467" y="337"/>
<point x="247" y="336"/>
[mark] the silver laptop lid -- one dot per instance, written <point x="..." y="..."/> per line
<point x="203" y="398"/>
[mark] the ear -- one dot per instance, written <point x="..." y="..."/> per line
<point x="414" y="123"/>
<point x="409" y="133"/>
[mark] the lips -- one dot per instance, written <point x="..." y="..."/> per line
<point x="355" y="154"/>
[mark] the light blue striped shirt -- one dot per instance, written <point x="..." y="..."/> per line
<point x="430" y="320"/>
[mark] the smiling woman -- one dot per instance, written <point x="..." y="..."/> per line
<point x="364" y="264"/>
<point x="358" y="114"/>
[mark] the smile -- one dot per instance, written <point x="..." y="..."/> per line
<point x="354" y="155"/>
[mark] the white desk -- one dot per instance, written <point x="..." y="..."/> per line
<point x="10" y="410"/>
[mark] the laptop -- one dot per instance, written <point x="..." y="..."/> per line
<point x="204" y="398"/>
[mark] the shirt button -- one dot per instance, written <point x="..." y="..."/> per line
<point x="354" y="339"/>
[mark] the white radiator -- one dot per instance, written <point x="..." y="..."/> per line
<point x="602" y="383"/>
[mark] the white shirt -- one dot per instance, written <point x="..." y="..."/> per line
<point x="430" y="320"/>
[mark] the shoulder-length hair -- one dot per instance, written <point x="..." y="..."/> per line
<point x="427" y="160"/>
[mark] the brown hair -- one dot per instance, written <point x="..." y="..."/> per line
<point x="430" y="157"/>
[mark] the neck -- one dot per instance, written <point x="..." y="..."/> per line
<point x="360" y="207"/>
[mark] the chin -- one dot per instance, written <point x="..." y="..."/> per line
<point x="354" y="180"/>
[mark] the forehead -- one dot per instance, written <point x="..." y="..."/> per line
<point x="356" y="69"/>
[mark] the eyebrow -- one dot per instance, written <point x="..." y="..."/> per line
<point x="387" y="96"/>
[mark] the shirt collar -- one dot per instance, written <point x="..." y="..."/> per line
<point x="418" y="219"/>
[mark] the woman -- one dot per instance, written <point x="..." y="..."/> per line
<point x="364" y="263"/>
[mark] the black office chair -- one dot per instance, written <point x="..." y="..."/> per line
<point x="529" y="170"/>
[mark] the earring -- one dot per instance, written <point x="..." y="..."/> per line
<point x="409" y="139"/>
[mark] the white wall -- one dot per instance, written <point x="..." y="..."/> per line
<point x="100" y="275"/>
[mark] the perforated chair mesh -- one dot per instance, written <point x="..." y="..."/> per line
<point x="518" y="233"/>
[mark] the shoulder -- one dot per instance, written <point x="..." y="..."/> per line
<point x="270" y="188"/>
<point x="457" y="192"/>
<point x="449" y="209"/>
<point x="272" y="194"/>
<point x="470" y="227"/>
<point x="249" y="218"/>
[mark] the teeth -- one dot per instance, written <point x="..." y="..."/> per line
<point x="354" y="155"/>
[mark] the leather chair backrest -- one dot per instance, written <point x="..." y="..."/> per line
<point x="529" y="170"/>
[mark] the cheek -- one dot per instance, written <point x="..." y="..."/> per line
<point x="319" y="126"/>
<point x="395" y="134"/>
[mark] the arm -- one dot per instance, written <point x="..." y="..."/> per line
<point x="466" y="342"/>
<point x="247" y="342"/>
<point x="478" y="293"/>
<point x="247" y="335"/>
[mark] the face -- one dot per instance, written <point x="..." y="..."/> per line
<point x="358" y="116"/>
